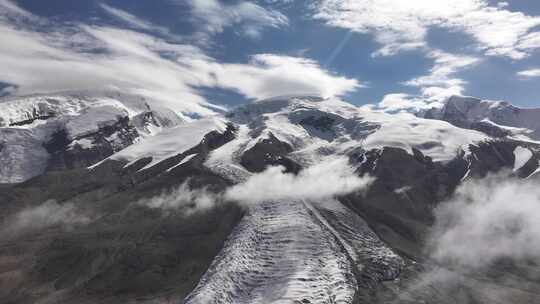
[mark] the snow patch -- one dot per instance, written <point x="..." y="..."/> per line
<point x="185" y="160"/>
<point x="92" y="119"/>
<point x="169" y="142"/>
<point x="84" y="143"/>
<point x="522" y="156"/>
<point x="22" y="155"/>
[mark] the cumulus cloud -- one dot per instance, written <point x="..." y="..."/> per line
<point x="48" y="214"/>
<point x="403" y="25"/>
<point x="325" y="180"/>
<point x="488" y="220"/>
<point x="90" y="57"/>
<point x="183" y="199"/>
<point x="249" y="18"/>
<point x="532" y="73"/>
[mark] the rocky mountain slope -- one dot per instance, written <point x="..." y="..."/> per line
<point x="287" y="200"/>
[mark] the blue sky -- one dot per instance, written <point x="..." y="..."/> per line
<point x="391" y="53"/>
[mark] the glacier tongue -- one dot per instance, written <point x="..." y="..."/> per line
<point x="290" y="252"/>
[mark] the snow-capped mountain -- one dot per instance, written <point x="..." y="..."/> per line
<point x="295" y="199"/>
<point x="496" y="118"/>
<point x="72" y="129"/>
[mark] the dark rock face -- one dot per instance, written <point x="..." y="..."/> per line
<point x="322" y="123"/>
<point x="494" y="156"/>
<point x="67" y="153"/>
<point x="269" y="152"/>
<point x="491" y="157"/>
<point x="458" y="117"/>
<point x="399" y="203"/>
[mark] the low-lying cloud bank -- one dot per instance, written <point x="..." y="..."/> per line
<point x="325" y="180"/>
<point x="322" y="181"/>
<point x="46" y="215"/>
<point x="485" y="245"/>
<point x="184" y="199"/>
<point x="488" y="220"/>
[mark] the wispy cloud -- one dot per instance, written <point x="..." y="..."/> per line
<point x="127" y="17"/>
<point x="248" y="18"/>
<point x="183" y="199"/>
<point x="403" y="25"/>
<point x="532" y="73"/>
<point x="267" y="74"/>
<point x="46" y="215"/>
<point x="399" y="26"/>
<point x="435" y="87"/>
<point x="12" y="9"/>
<point x="488" y="220"/>
<point x="137" y="22"/>
<point x="440" y="83"/>
<point x="402" y="102"/>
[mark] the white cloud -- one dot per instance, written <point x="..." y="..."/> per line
<point x="48" y="214"/>
<point x="400" y="101"/>
<point x="532" y="73"/>
<point x="12" y="9"/>
<point x="502" y="4"/>
<point x="488" y="220"/>
<point x="440" y="83"/>
<point x="325" y="180"/>
<point x="99" y="57"/>
<point x="128" y="60"/>
<point x="137" y="22"/>
<point x="127" y="17"/>
<point x="403" y="25"/>
<point x="267" y="74"/>
<point x="249" y="18"/>
<point x="530" y="41"/>
<point x="328" y="179"/>
<point x="182" y="199"/>
<point x="436" y="87"/>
